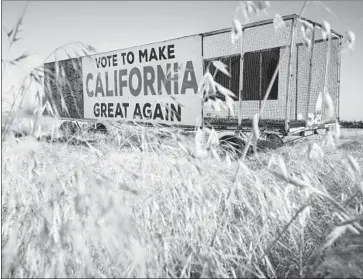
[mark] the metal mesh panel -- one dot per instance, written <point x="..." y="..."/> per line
<point x="251" y="76"/>
<point x="258" y="71"/>
<point x="264" y="37"/>
<point x="214" y="48"/>
<point x="220" y="45"/>
<point x="269" y="62"/>
<point x="318" y="73"/>
<point x="256" y="38"/>
<point x="299" y="34"/>
<point x="299" y="110"/>
<point x="231" y="83"/>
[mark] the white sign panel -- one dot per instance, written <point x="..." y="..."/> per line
<point x="155" y="83"/>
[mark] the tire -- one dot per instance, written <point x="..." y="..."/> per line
<point x="68" y="128"/>
<point x="98" y="128"/>
<point x="232" y="144"/>
<point x="274" y="138"/>
<point x="101" y="128"/>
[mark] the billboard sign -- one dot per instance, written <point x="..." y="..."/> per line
<point x="155" y="83"/>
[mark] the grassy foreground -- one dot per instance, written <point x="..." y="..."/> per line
<point x="117" y="210"/>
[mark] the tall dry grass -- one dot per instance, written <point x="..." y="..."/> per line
<point x="142" y="202"/>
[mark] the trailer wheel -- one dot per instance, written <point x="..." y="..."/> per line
<point x="68" y="128"/>
<point x="98" y="128"/>
<point x="101" y="128"/>
<point x="232" y="144"/>
<point x="274" y="138"/>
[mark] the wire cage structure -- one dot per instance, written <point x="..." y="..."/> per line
<point x="302" y="69"/>
<point x="302" y="72"/>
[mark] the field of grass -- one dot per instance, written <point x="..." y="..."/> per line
<point x="113" y="209"/>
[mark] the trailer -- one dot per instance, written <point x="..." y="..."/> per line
<point x="158" y="83"/>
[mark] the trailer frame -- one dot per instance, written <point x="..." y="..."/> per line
<point x="273" y="130"/>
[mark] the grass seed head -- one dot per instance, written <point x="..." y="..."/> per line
<point x="307" y="33"/>
<point x="349" y="40"/>
<point x="278" y="22"/>
<point x="326" y="30"/>
<point x="329" y="105"/>
<point x="337" y="129"/>
<point x="319" y="103"/>
<point x="208" y="85"/>
<point x="282" y="166"/>
<point x="256" y="130"/>
<point x="220" y="66"/>
<point x="236" y="30"/>
<point x="354" y="164"/>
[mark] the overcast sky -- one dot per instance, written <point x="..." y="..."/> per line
<point x="110" y="25"/>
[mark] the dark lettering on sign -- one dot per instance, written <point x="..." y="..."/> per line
<point x="115" y="81"/>
<point x="125" y="105"/>
<point x="174" y="112"/>
<point x="147" y="55"/>
<point x="96" y="109"/>
<point x="109" y="60"/>
<point x="110" y="109"/>
<point x="123" y="58"/>
<point x="158" y="113"/>
<point x="143" y="55"/>
<point x="136" y="72"/>
<point x="114" y="60"/>
<point x="162" y="79"/>
<point x="130" y="57"/>
<point x="97" y="62"/>
<point x="189" y="82"/>
<point x="153" y="55"/>
<point x="118" y="111"/>
<point x="89" y="77"/>
<point x="105" y="61"/>
<point x="175" y="78"/>
<point x="147" y="111"/>
<point x="149" y="81"/>
<point x="123" y="83"/>
<point x="99" y="86"/>
<point x="103" y="110"/>
<point x="171" y="54"/>
<point x="161" y="53"/>
<point x="166" y="111"/>
<point x="137" y="111"/>
<point x="109" y="93"/>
